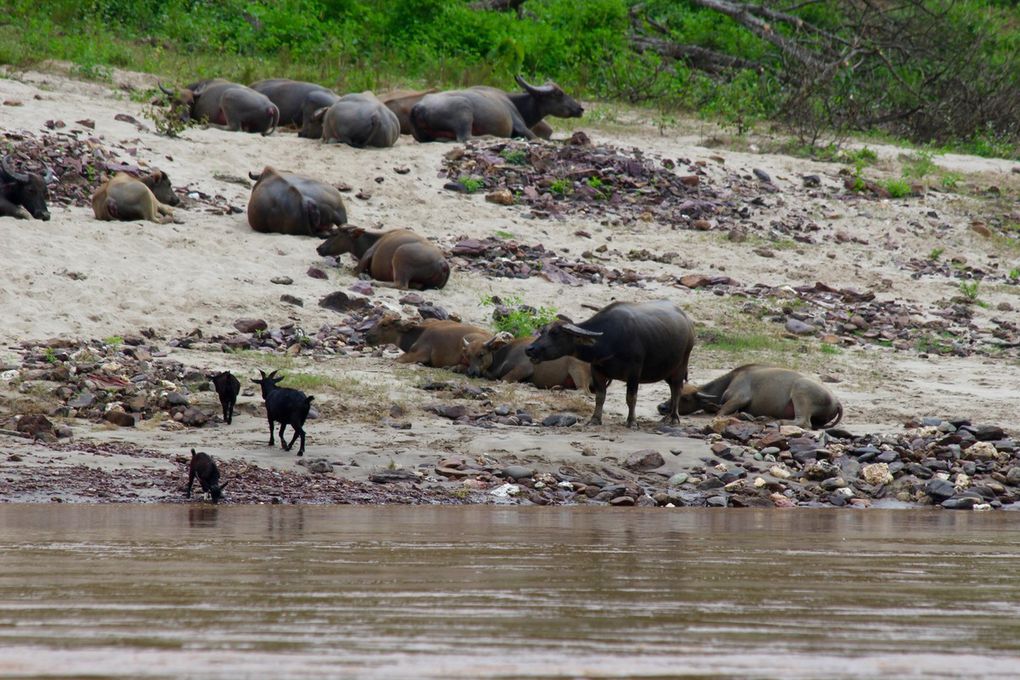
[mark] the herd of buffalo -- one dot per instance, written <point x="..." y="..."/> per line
<point x="633" y="342"/>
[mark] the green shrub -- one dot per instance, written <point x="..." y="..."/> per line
<point x="514" y="317"/>
<point x="897" y="188"/>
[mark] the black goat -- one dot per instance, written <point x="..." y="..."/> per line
<point x="227" y="387"/>
<point x="203" y="467"/>
<point x="285" y="406"/>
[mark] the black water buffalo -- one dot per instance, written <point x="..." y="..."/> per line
<point x="289" y="97"/>
<point x="481" y="110"/>
<point x="630" y="341"/>
<point x="23" y="194"/>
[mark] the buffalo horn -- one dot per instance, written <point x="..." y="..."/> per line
<point x="564" y="318"/>
<point x="533" y="89"/>
<point x="165" y="91"/>
<point x="253" y="176"/>
<point x="704" y="396"/>
<point x="574" y="329"/>
<point x="9" y="171"/>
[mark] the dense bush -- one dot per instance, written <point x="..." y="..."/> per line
<point x="930" y="70"/>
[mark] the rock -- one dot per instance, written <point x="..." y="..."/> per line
<point x="579" y="138"/>
<point x="964" y="503"/>
<point x="701" y="225"/>
<point x="119" y="418"/>
<point x="981" y="451"/>
<point x="939" y="489"/>
<point x="981" y="229"/>
<point x="798" y="327"/>
<point x="319" y="466"/>
<point x="622" y="501"/>
<point x="282" y="280"/>
<point x="716" y="501"/>
<point x="342" y="302"/>
<point x="250" y="325"/>
<point x="518" y="472"/>
<point x="194" y="417"/>
<point x="762" y="175"/>
<point x="780" y="472"/>
<point x="292" y="300"/>
<point x="316" y="273"/>
<point x="34" y="425"/>
<point x="362" y="288"/>
<point x="1013" y="476"/>
<point x="876" y="474"/>
<point x="985" y="433"/>
<point x="433" y="311"/>
<point x="559" y="420"/>
<point x="644" y="460"/>
<point x="812" y="181"/>
<point x="681" y="477"/>
<point x="451" y="411"/>
<point x="176" y="399"/>
<point x="500" y="197"/>
<point x="741" y="430"/>
<point x="391" y="476"/>
<point x="85" y="399"/>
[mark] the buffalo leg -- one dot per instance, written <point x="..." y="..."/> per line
<point x="632" y="387"/>
<point x="675" y="387"/>
<point x="519" y="373"/>
<point x="732" y="405"/>
<point x="600" y="383"/>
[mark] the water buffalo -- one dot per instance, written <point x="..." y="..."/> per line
<point x="634" y="342"/>
<point x="286" y="203"/>
<point x="407" y="259"/>
<point x="23" y="195"/>
<point x="289" y="96"/>
<point x="227" y="106"/>
<point x="480" y="110"/>
<point x="502" y="357"/>
<point x="311" y="127"/>
<point x="126" y="198"/>
<point x="359" y="120"/>
<point x="765" y="391"/>
<point x="400" y="102"/>
<point x="432" y="342"/>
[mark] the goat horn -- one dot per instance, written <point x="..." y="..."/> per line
<point x="9" y="171"/>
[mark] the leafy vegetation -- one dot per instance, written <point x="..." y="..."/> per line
<point x="472" y="184"/>
<point x="515" y="317"/>
<point x="939" y="71"/>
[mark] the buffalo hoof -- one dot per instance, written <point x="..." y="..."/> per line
<point x="671" y="420"/>
<point x="594" y="421"/>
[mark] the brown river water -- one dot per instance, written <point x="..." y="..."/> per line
<point x="497" y="592"/>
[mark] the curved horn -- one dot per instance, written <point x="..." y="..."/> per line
<point x="705" y="396"/>
<point x="9" y="171"/>
<point x="523" y="83"/>
<point x="166" y="91"/>
<point x="574" y="329"/>
<point x="564" y="318"/>
<point x="253" y="176"/>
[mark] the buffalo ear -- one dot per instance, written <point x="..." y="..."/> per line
<point x="501" y="339"/>
<point x="318" y="114"/>
<point x="254" y="176"/>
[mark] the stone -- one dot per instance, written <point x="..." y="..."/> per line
<point x="85" y="399"/>
<point x="392" y="476"/>
<point x="119" y="418"/>
<point x="964" y="503"/>
<point x="681" y="477"/>
<point x="250" y="325"/>
<point x="292" y="300"/>
<point x="500" y="197"/>
<point x="34" y="425"/>
<point x="780" y="472"/>
<point x="176" y="399"/>
<point x="876" y="474"/>
<point x="798" y="327"/>
<point x="981" y="451"/>
<point x="518" y="472"/>
<point x="559" y="420"/>
<point x="939" y="489"/>
<point x="282" y="280"/>
<point x="622" y="501"/>
<point x="320" y="466"/>
<point x="716" y="501"/>
<point x="362" y="288"/>
<point x="644" y="460"/>
<point x="339" y="301"/>
<point x="1013" y="476"/>
<point x="741" y="430"/>
<point x="316" y="273"/>
<point x="194" y="417"/>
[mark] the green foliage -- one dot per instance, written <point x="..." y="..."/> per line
<point x="500" y="233"/>
<point x="920" y="165"/>
<point x="514" y="156"/>
<point x="169" y="120"/>
<point x="935" y="254"/>
<point x="471" y="184"/>
<point x="897" y="188"/>
<point x="950" y="180"/>
<point x="1014" y="275"/>
<point x="826" y="348"/>
<point x="969" y="290"/>
<point x="50" y="355"/>
<point x="514" y="317"/>
<point x="560" y="187"/>
<point x="114" y="341"/>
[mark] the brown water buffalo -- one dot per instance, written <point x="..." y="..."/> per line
<point x="766" y="391"/>
<point x="289" y="96"/>
<point x="502" y="357"/>
<point x="630" y="341"/>
<point x="23" y="195"/>
<point x="126" y="198"/>
<point x="400" y="102"/>
<point x="432" y="342"/>
<point x="311" y="127"/>
<point x="285" y="203"/>
<point x="359" y="120"/>
<point x="480" y="110"/>
<point x="401" y="256"/>
<point x="227" y="106"/>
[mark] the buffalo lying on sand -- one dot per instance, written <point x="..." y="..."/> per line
<point x="286" y="203"/>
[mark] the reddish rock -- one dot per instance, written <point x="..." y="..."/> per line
<point x="644" y="460"/>
<point x="250" y="325"/>
<point x="120" y="418"/>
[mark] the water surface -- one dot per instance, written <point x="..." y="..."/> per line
<point x="477" y="592"/>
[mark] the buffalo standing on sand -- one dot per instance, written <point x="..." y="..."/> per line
<point x="128" y="198"/>
<point x="480" y="110"/>
<point x="227" y="106"/>
<point x="401" y="256"/>
<point x="634" y="342"/>
<point x="286" y="203"/>
<point x="23" y="195"/>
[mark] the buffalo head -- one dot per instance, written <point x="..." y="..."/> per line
<point x="342" y="242"/>
<point x="477" y="354"/>
<point x="159" y="185"/>
<point x="560" y="339"/>
<point x="25" y="189"/>
<point x="551" y="100"/>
